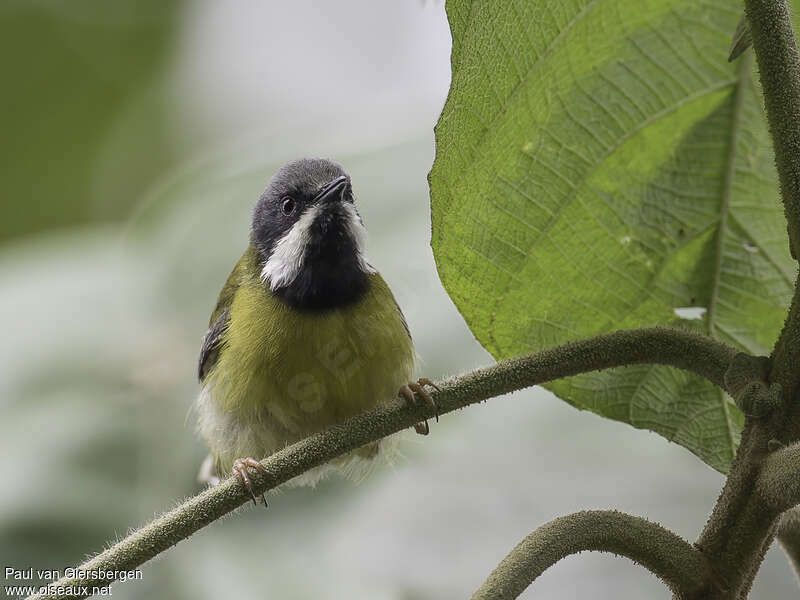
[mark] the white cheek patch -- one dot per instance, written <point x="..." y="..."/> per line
<point x="359" y="235"/>
<point x="286" y="260"/>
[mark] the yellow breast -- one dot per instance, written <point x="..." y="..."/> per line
<point x="298" y="372"/>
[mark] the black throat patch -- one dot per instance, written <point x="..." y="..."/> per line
<point x="333" y="272"/>
<point x="326" y="284"/>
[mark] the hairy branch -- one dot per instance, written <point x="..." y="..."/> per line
<point x="671" y="558"/>
<point x="789" y="537"/>
<point x="779" y="66"/>
<point x="678" y="348"/>
<point x="778" y="484"/>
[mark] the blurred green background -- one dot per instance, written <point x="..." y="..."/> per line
<point x="136" y="138"/>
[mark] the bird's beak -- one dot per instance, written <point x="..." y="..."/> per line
<point x="333" y="191"/>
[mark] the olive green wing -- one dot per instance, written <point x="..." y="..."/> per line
<point x="212" y="341"/>
<point x="209" y="352"/>
<point x="402" y="317"/>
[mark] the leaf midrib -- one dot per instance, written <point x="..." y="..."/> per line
<point x="727" y="190"/>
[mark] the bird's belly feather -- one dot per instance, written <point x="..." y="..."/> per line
<point x="283" y="374"/>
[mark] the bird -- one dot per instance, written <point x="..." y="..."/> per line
<point x="305" y="332"/>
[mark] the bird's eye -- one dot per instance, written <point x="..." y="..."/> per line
<point x="287" y="206"/>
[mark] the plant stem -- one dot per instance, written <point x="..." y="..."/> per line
<point x="789" y="538"/>
<point x="671" y="558"/>
<point x="779" y="66"/>
<point x="678" y="348"/>
<point x="739" y="529"/>
<point x="743" y="522"/>
<point x="786" y="371"/>
<point x="778" y="484"/>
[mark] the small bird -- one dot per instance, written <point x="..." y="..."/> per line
<point x="305" y="332"/>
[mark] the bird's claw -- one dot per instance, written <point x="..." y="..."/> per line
<point x="409" y="393"/>
<point x="240" y="466"/>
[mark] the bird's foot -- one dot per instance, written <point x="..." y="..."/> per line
<point x="240" y="466"/>
<point x="409" y="393"/>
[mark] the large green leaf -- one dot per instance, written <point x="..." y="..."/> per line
<point x="600" y="164"/>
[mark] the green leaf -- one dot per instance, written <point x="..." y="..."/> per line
<point x="741" y="40"/>
<point x="600" y="164"/>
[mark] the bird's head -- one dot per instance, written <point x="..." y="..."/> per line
<point x="310" y="237"/>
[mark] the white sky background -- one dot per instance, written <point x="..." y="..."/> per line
<point x="366" y="69"/>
